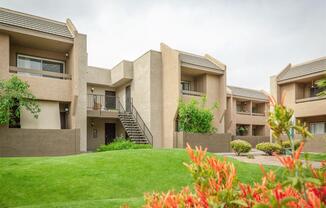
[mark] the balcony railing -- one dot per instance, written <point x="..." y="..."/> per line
<point x="102" y="102"/>
<point x="40" y="73"/>
<point x="310" y="99"/>
<point x="192" y="93"/>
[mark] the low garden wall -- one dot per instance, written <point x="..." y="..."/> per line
<point x="316" y="144"/>
<point x="213" y="142"/>
<point x="253" y="140"/>
<point x="39" y="142"/>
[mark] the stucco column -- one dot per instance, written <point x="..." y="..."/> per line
<point x="171" y="78"/>
<point x="4" y="58"/>
<point x="79" y="89"/>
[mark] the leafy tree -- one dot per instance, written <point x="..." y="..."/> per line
<point x="280" y="122"/>
<point x="321" y="84"/>
<point x="194" y="117"/>
<point x="14" y="96"/>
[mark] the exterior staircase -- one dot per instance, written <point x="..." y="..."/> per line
<point x="132" y="127"/>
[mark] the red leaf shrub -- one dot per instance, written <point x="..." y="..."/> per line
<point x="216" y="185"/>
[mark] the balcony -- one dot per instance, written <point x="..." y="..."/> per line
<point x="307" y="92"/>
<point x="39" y="73"/>
<point x="243" y="107"/>
<point x="103" y="106"/>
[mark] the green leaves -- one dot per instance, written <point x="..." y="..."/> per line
<point x="322" y="85"/>
<point x="14" y="96"/>
<point x="194" y="117"/>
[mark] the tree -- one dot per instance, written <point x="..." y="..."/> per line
<point x="14" y="97"/>
<point x="321" y="84"/>
<point x="195" y="118"/>
<point x="280" y="122"/>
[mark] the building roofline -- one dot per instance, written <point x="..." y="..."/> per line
<point x="34" y="16"/>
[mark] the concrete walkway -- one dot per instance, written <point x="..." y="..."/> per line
<point x="261" y="158"/>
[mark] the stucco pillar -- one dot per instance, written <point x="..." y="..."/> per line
<point x="79" y="88"/>
<point x="5" y="55"/>
<point x="171" y="78"/>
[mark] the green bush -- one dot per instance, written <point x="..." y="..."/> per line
<point x="122" y="144"/>
<point x="240" y="146"/>
<point x="195" y="118"/>
<point x="287" y="144"/>
<point x="269" y="148"/>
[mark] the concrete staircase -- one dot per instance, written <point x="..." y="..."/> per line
<point x="132" y="128"/>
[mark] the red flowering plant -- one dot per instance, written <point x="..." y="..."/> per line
<point x="216" y="185"/>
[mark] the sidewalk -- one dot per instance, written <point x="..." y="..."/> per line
<point x="261" y="158"/>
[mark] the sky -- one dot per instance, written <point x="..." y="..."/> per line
<point x="255" y="39"/>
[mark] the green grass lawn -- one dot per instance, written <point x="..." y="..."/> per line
<point x="105" y="179"/>
<point x="314" y="156"/>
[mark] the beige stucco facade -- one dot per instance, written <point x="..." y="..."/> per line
<point x="298" y="92"/>
<point x="91" y="99"/>
<point x="253" y="121"/>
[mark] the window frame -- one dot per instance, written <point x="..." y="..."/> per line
<point x="314" y="123"/>
<point x="42" y="59"/>
<point x="186" y="82"/>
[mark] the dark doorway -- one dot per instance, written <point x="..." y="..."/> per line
<point x="109" y="132"/>
<point x="128" y="99"/>
<point x="110" y="100"/>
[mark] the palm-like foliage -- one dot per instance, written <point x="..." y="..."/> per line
<point x="280" y="122"/>
<point x="322" y="85"/>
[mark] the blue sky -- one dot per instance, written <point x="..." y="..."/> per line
<point x="254" y="38"/>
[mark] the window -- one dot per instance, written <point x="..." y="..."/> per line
<point x="318" y="128"/>
<point x="185" y="85"/>
<point x="29" y="62"/>
<point x="314" y="91"/>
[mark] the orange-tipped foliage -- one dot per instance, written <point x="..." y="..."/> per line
<point x="216" y="185"/>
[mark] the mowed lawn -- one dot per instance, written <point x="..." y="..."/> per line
<point x="105" y="179"/>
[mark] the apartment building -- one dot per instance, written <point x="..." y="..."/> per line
<point x="149" y="88"/>
<point x="51" y="56"/>
<point x="136" y="99"/>
<point x="247" y="112"/>
<point x="297" y="84"/>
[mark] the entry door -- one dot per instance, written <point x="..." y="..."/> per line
<point x="128" y="99"/>
<point x="110" y="100"/>
<point x="109" y="132"/>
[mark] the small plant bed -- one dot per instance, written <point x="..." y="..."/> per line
<point x="122" y="144"/>
<point x="314" y="156"/>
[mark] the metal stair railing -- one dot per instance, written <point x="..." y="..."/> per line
<point x="143" y="127"/>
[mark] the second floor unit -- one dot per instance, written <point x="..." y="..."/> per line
<point x="296" y="87"/>
<point x="247" y="112"/>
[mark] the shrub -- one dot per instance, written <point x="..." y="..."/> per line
<point x="216" y="185"/>
<point x="269" y="148"/>
<point x="195" y="118"/>
<point x="240" y="146"/>
<point x="121" y="144"/>
<point x="287" y="144"/>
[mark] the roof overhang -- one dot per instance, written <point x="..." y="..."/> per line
<point x="35" y="39"/>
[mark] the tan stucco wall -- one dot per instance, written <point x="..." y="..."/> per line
<point x="233" y="118"/>
<point x="98" y="76"/>
<point x="5" y="56"/>
<point x="39" y="142"/>
<point x="78" y="113"/>
<point x="156" y="98"/>
<point x="98" y="89"/>
<point x="122" y="73"/>
<point x="171" y="78"/>
<point x="311" y="108"/>
<point x="49" y="117"/>
<point x="99" y="126"/>
<point x="216" y="92"/>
